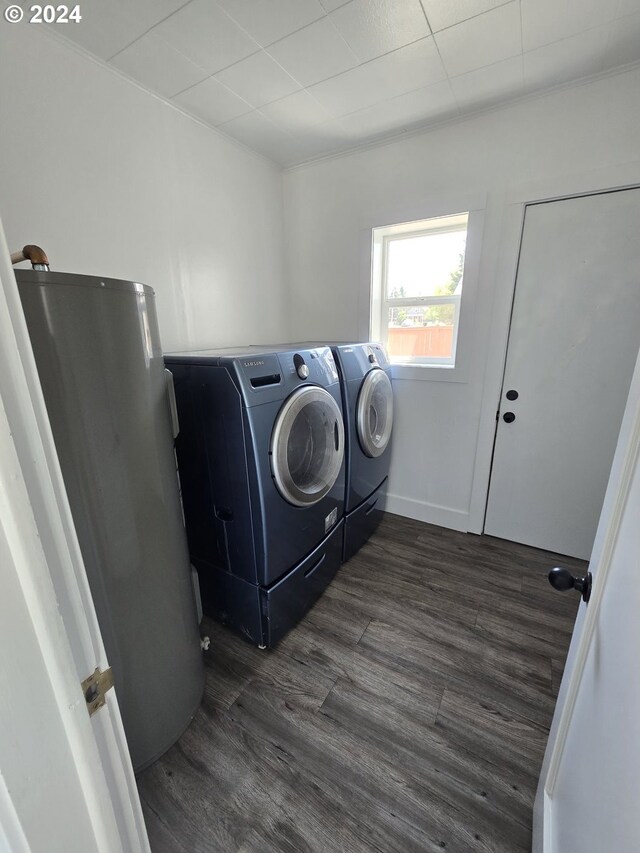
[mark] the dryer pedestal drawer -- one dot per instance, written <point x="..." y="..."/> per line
<point x="360" y="524"/>
<point x="287" y="601"/>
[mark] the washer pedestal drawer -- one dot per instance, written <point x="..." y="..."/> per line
<point x="263" y="615"/>
<point x="286" y="602"/>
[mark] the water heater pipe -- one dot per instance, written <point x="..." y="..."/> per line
<point x="37" y="256"/>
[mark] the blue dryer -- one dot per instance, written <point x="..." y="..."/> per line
<point x="261" y="461"/>
<point x="365" y="375"/>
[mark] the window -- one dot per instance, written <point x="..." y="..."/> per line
<point x="417" y="273"/>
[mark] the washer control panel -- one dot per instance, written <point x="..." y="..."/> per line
<point x="301" y="368"/>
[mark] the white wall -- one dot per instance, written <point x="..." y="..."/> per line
<point x="112" y="181"/>
<point x="571" y="140"/>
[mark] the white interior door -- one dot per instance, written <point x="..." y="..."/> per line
<point x="66" y="780"/>
<point x="574" y="336"/>
<point x="590" y="783"/>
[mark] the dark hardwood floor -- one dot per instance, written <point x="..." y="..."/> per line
<point x="407" y="712"/>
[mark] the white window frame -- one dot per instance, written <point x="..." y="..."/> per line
<point x="381" y="303"/>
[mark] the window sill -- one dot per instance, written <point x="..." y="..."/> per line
<point x="428" y="373"/>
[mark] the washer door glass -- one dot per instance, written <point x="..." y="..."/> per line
<point x="374" y="414"/>
<point x="307" y="446"/>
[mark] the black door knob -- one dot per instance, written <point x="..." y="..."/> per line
<point x="512" y="395"/>
<point x="508" y="417"/>
<point x="562" y="580"/>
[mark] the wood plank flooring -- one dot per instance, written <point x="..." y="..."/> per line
<point x="407" y="712"/>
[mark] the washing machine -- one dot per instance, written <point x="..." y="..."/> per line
<point x="365" y="375"/>
<point x="261" y="456"/>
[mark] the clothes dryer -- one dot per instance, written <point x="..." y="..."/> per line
<point x="261" y="461"/>
<point x="365" y="375"/>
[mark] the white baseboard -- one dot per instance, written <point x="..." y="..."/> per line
<point x="443" y="516"/>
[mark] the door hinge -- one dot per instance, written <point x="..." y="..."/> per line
<point x="95" y="688"/>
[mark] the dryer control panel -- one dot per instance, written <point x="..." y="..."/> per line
<point x="358" y="359"/>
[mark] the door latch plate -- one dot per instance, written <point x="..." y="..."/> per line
<point x="95" y="688"/>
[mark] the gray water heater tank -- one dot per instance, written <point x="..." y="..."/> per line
<point x="98" y="353"/>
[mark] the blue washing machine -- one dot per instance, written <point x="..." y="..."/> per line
<point x="261" y="456"/>
<point x="365" y="375"/>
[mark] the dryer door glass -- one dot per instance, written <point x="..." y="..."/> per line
<point x="374" y="415"/>
<point x="307" y="446"/>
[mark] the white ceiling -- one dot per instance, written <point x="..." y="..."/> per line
<point x="295" y="79"/>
